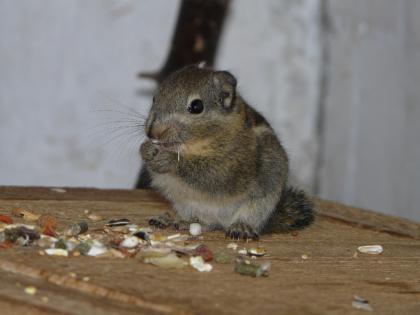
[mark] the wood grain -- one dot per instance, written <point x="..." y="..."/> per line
<point x="322" y="284"/>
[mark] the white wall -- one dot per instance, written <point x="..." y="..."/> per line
<point x="372" y="108"/>
<point x="61" y="61"/>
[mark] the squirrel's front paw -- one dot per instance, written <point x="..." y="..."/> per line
<point x="163" y="162"/>
<point x="242" y="231"/>
<point x="158" y="159"/>
<point x="148" y="150"/>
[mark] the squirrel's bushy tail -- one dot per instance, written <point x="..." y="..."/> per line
<point x="293" y="212"/>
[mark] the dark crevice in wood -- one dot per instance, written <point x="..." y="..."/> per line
<point x="365" y="226"/>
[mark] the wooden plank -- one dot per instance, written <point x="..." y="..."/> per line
<point x="65" y="281"/>
<point x="332" y="210"/>
<point x="368" y="219"/>
<point x="325" y="282"/>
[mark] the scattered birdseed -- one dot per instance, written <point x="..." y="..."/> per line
<point x="31" y="290"/>
<point x="199" y="264"/>
<point x="29" y="216"/>
<point x="97" y="250"/>
<point x="157" y="237"/>
<point x="57" y="252"/>
<point x="60" y="244"/>
<point x="130" y="242"/>
<point x="116" y="253"/>
<point x="222" y="258"/>
<point x="94" y="217"/>
<point x="23" y="241"/>
<point x="233" y="246"/>
<point x="361" y="304"/>
<point x="248" y="269"/>
<point x="242" y="251"/>
<point x="15" y="231"/>
<point x="6" y="245"/>
<point x="204" y="252"/>
<point x="77" y="228"/>
<point x="142" y="235"/>
<point x="371" y="249"/>
<point x="169" y="261"/>
<point x="6" y="219"/>
<point x="48" y="223"/>
<point x="25" y="214"/>
<point x="46" y="219"/>
<point x="118" y="222"/>
<point x="258" y="251"/>
<point x="49" y="231"/>
<point x="71" y="244"/>
<point x="153" y="253"/>
<point x="132" y="227"/>
<point x="122" y="229"/>
<point x="120" y="238"/>
<point x="195" y="229"/>
<point x="82" y="248"/>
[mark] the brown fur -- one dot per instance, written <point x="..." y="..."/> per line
<point x="223" y="167"/>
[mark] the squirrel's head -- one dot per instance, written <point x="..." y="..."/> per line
<point x="191" y="104"/>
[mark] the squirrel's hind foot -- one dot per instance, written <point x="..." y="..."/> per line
<point x="181" y="225"/>
<point x="161" y="221"/>
<point x="167" y="220"/>
<point x="242" y="231"/>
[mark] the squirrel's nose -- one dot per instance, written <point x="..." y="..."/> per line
<point x="149" y="124"/>
<point x="157" y="131"/>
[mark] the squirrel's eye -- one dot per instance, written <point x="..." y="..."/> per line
<point x="196" y="106"/>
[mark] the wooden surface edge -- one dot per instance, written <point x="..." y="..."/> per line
<point x="367" y="219"/>
<point x="330" y="210"/>
<point x="68" y="282"/>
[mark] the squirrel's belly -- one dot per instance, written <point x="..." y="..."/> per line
<point x="214" y="214"/>
<point x="191" y="204"/>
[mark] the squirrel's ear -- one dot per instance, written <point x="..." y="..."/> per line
<point x="226" y="86"/>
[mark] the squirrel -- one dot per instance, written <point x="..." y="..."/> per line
<point x="217" y="160"/>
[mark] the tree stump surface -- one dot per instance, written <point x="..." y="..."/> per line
<point x="323" y="283"/>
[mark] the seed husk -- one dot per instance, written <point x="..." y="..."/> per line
<point x="170" y="261"/>
<point x="222" y="258"/>
<point x="77" y="229"/>
<point x="252" y="270"/>
<point x="118" y="222"/>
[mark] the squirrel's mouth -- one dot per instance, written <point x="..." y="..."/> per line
<point x="166" y="144"/>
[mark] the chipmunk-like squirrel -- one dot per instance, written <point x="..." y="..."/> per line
<point x="217" y="160"/>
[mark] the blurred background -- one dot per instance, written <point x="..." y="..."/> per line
<point x="338" y="80"/>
